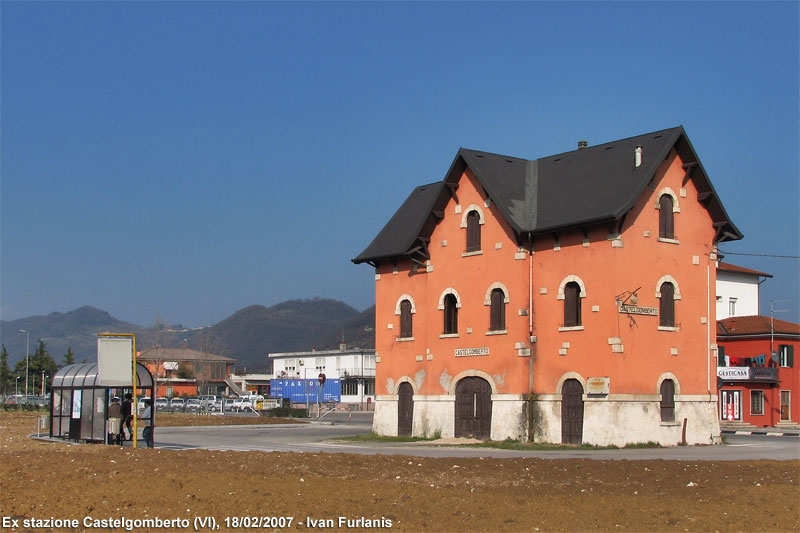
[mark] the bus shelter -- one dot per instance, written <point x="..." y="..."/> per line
<point x="79" y="406"/>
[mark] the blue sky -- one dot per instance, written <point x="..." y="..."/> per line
<point x="189" y="159"/>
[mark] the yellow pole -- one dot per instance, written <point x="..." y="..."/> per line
<point x="135" y="405"/>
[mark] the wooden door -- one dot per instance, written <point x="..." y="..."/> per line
<point x="473" y="408"/>
<point x="572" y="412"/>
<point x="786" y="397"/>
<point x="405" y="410"/>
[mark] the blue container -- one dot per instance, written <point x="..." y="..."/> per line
<point x="306" y="390"/>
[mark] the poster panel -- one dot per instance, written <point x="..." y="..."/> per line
<point x="114" y="361"/>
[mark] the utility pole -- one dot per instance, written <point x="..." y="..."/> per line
<point x="27" y="352"/>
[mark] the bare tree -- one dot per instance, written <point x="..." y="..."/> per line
<point x="206" y="342"/>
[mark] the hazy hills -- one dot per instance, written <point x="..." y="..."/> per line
<point x="248" y="335"/>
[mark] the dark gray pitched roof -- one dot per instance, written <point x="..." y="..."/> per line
<point x="402" y="230"/>
<point x="578" y="188"/>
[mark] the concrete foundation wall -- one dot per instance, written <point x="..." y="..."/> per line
<point x="612" y="420"/>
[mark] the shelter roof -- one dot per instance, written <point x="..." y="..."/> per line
<point x="85" y="376"/>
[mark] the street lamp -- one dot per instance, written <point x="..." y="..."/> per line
<point x="27" y="351"/>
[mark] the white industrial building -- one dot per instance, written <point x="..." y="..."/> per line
<point x="353" y="367"/>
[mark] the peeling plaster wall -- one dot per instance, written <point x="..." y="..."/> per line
<point x="631" y="419"/>
<point x="618" y="420"/>
<point x="384" y="422"/>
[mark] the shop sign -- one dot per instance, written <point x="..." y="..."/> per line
<point x="469" y="352"/>
<point x="638" y="310"/>
<point x="731" y="373"/>
<point x="598" y="385"/>
<point x="746" y="373"/>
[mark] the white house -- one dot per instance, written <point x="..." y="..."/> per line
<point x="353" y="367"/>
<point x="738" y="290"/>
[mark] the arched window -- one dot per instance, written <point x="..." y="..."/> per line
<point x="667" y="306"/>
<point x="473" y="231"/>
<point x="666" y="219"/>
<point x="406" y="325"/>
<point x="497" y="314"/>
<point x="667" y="400"/>
<point x="572" y="304"/>
<point x="450" y="314"/>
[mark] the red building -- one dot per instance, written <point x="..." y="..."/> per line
<point x="184" y="372"/>
<point x="759" y="381"/>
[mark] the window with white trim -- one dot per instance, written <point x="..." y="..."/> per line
<point x="756" y="402"/>
<point x="450" y="314"/>
<point x="473" y="231"/>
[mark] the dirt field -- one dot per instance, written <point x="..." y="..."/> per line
<point x="43" y="480"/>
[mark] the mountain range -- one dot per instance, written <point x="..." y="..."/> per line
<point x="248" y="335"/>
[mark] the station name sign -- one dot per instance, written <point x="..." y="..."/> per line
<point x="470" y="352"/>
<point x="638" y="310"/>
<point x="598" y="385"/>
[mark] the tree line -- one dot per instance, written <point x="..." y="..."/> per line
<point x="39" y="364"/>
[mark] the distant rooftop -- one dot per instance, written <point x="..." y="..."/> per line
<point x="727" y="267"/>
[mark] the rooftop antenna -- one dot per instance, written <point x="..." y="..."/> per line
<point x="772" y="311"/>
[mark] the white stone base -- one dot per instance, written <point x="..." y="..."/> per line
<point x="616" y="419"/>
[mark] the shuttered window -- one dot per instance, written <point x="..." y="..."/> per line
<point x="450" y="315"/>
<point x="667" y="401"/>
<point x="721" y="356"/>
<point x="666" y="220"/>
<point x="667" y="305"/>
<point x="406" y="329"/>
<point x="572" y="304"/>
<point x="786" y="355"/>
<point x="497" y="319"/>
<point x="757" y="402"/>
<point x="473" y="231"/>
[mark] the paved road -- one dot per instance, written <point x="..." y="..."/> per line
<point x="320" y="437"/>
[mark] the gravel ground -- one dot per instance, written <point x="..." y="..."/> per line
<point x="42" y="480"/>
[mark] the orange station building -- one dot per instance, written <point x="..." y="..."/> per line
<point x="564" y="299"/>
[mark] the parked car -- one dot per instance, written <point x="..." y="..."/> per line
<point x="194" y="405"/>
<point x="177" y="404"/>
<point x="227" y="404"/>
<point x="161" y="404"/>
<point x="207" y="399"/>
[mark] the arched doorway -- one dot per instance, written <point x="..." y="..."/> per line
<point x="572" y="412"/>
<point x="405" y="409"/>
<point x="473" y="408"/>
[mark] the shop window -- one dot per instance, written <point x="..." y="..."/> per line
<point x="757" y="402"/>
<point x="349" y="388"/>
<point x="667" y="401"/>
